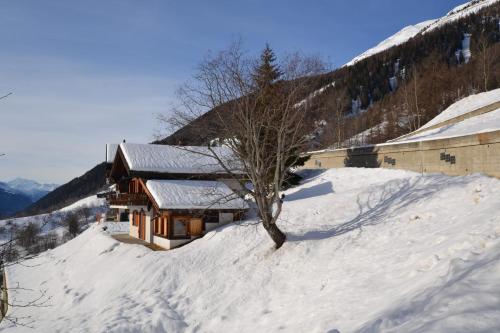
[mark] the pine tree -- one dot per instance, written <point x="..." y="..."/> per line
<point x="267" y="71"/>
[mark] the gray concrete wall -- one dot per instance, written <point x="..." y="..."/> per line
<point x="462" y="155"/>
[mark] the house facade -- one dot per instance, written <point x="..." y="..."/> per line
<point x="172" y="195"/>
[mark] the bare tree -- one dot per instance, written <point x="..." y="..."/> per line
<point x="9" y="255"/>
<point x="261" y="116"/>
<point x="410" y="104"/>
<point x="485" y="60"/>
<point x="336" y="105"/>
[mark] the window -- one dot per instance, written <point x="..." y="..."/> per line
<point x="180" y="226"/>
<point x="160" y="226"/>
<point x="163" y="226"/>
<point x="211" y="216"/>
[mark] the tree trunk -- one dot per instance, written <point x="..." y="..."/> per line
<point x="275" y="233"/>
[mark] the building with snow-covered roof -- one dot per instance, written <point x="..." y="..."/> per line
<point x="174" y="194"/>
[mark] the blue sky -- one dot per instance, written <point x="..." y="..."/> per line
<point x="84" y="73"/>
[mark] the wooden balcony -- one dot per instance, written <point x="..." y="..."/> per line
<point x="128" y="199"/>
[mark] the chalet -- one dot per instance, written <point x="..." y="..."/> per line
<point x="171" y="195"/>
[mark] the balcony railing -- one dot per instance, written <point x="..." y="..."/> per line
<point x="128" y="199"/>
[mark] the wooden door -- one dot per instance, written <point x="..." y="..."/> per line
<point x="196" y="227"/>
<point x="142" y="226"/>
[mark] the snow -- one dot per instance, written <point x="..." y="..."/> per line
<point x="90" y="201"/>
<point x="111" y="149"/>
<point x="398" y="38"/>
<point x="194" y="194"/>
<point x="314" y="94"/>
<point x="486" y="122"/>
<point x="30" y="188"/>
<point x="466" y="105"/>
<point x="411" y="31"/>
<point x="176" y="159"/>
<point x="368" y="250"/>
<point x="50" y="222"/>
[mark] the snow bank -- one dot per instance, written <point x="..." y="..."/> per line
<point x="487" y="122"/>
<point x="466" y="105"/>
<point x="369" y="250"/>
<point x="91" y="201"/>
<point x="194" y="194"/>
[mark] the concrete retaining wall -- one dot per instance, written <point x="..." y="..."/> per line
<point x="453" y="156"/>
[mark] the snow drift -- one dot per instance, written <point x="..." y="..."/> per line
<point x="368" y="250"/>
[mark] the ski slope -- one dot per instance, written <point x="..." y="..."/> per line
<point x="368" y="250"/>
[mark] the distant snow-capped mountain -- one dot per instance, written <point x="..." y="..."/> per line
<point x="19" y="193"/>
<point x="411" y="31"/>
<point x="31" y="188"/>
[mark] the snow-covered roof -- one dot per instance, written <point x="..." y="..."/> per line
<point x="194" y="194"/>
<point x="111" y="149"/>
<point x="178" y="159"/>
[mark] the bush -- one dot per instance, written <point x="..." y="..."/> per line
<point x="73" y="224"/>
<point x="27" y="236"/>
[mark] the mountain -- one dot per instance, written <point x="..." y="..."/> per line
<point x="12" y="201"/>
<point x="20" y="193"/>
<point x="411" y="31"/>
<point x="87" y="184"/>
<point x="31" y="188"/>
<point x="438" y="60"/>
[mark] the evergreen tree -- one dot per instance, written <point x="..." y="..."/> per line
<point x="267" y="71"/>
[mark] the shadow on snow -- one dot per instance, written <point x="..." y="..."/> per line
<point x="379" y="204"/>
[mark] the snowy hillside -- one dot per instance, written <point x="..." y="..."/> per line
<point x="411" y="31"/>
<point x="398" y="38"/>
<point x="50" y="222"/>
<point x="369" y="250"/>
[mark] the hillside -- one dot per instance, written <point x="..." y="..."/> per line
<point x="368" y="250"/>
<point x="53" y="221"/>
<point x="87" y="184"/>
<point x="411" y="31"/>
<point x="12" y="201"/>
